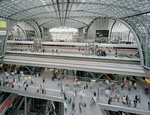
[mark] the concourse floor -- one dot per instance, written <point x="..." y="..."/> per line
<point x="53" y="90"/>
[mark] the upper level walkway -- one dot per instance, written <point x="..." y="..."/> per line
<point x="53" y="92"/>
<point x="107" y="64"/>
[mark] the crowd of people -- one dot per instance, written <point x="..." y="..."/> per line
<point x="101" y="52"/>
<point x="114" y="90"/>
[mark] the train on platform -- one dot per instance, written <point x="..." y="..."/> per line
<point x="121" y="49"/>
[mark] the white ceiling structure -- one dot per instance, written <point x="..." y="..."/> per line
<point x="70" y="13"/>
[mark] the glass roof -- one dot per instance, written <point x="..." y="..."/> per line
<point x="66" y="12"/>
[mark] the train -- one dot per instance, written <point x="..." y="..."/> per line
<point x="74" y="47"/>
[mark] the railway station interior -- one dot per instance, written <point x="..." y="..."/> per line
<point x="74" y="57"/>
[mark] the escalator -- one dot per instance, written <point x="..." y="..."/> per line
<point x="3" y="97"/>
<point x="50" y="108"/>
<point x="109" y="112"/>
<point x="7" y="103"/>
<point x="107" y="77"/>
<point x="13" y="106"/>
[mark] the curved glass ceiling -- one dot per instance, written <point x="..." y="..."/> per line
<point x="67" y="12"/>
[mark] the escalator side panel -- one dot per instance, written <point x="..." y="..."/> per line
<point x="7" y="103"/>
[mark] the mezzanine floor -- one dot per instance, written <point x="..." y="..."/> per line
<point x="53" y="92"/>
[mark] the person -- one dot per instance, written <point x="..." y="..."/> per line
<point x="146" y="90"/>
<point x="129" y="102"/>
<point x="43" y="50"/>
<point x="84" y="104"/>
<point x="26" y="87"/>
<point x="64" y="93"/>
<point x="83" y="52"/>
<point x="79" y="48"/>
<point x="59" y="51"/>
<point x="52" y="78"/>
<point x="122" y="85"/>
<point x="149" y="105"/>
<point x="80" y="107"/>
<point x="43" y="78"/>
<point x="19" y="78"/>
<point x="127" y="98"/>
<point x="107" y="81"/>
<point x="65" y="107"/>
<point x="94" y="93"/>
<point x="43" y="90"/>
<point x="52" y="51"/>
<point x="118" y="97"/>
<point x="56" y="51"/>
<point x="86" y="86"/>
<point x="123" y="100"/>
<point x="109" y="100"/>
<point x="107" y="92"/>
<point x="91" y="52"/>
<point x="92" y="101"/>
<point x="135" y="103"/>
<point x="137" y="97"/>
<point x="130" y="85"/>
<point x="69" y="100"/>
<point x="73" y="105"/>
<point x="135" y="86"/>
<point x="75" y="92"/>
<point x="40" y="50"/>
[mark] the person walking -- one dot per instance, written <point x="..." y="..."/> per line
<point x="137" y="97"/>
<point x="65" y="107"/>
<point x="80" y="107"/>
<point x="53" y="78"/>
<point x="26" y="87"/>
<point x="135" y="103"/>
<point x="75" y="92"/>
<point x="86" y="86"/>
<point x="94" y="94"/>
<point x="127" y="97"/>
<point x="123" y="100"/>
<point x="129" y="103"/>
<point x="149" y="105"/>
<point x="52" y="51"/>
<point x="73" y="105"/>
<point x="118" y="97"/>
<point x="43" y="79"/>
<point x="135" y="86"/>
<point x="109" y="100"/>
<point x="43" y="50"/>
<point x="64" y="93"/>
<point x="146" y="90"/>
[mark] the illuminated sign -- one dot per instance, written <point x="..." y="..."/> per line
<point x="3" y="24"/>
<point x="7" y="103"/>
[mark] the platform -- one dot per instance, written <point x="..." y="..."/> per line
<point x="113" y="65"/>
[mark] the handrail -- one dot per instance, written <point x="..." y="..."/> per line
<point x="134" y="62"/>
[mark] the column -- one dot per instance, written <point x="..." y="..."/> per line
<point x="61" y="108"/>
<point x="74" y="73"/>
<point x="25" y="106"/>
<point x="97" y="92"/>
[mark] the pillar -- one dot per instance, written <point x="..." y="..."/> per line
<point x="25" y="106"/>
<point x="74" y="74"/>
<point x="97" y="92"/>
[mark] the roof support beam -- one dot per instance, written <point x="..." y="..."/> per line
<point x="66" y="19"/>
<point x="73" y="3"/>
